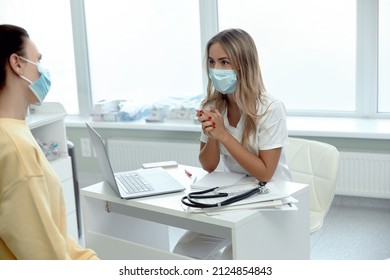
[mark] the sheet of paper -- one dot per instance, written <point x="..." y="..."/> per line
<point x="284" y="204"/>
<point x="217" y="179"/>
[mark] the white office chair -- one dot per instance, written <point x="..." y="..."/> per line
<point x="310" y="162"/>
<point x="316" y="164"/>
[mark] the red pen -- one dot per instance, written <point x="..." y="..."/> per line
<point x="189" y="174"/>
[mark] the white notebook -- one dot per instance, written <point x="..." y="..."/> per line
<point x="218" y="179"/>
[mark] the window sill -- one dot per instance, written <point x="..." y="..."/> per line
<point x="358" y="128"/>
<point x="167" y="125"/>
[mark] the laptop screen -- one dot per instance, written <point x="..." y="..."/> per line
<point x="102" y="156"/>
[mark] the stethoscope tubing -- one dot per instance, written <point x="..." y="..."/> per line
<point x="188" y="200"/>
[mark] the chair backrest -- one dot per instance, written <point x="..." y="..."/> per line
<point x="316" y="164"/>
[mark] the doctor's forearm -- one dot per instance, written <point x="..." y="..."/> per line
<point x="209" y="155"/>
<point x="254" y="165"/>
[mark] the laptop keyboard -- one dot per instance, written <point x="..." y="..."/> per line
<point x="134" y="183"/>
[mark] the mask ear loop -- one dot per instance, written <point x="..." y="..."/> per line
<point x="32" y="62"/>
<point x="24" y="78"/>
<point x="28" y="60"/>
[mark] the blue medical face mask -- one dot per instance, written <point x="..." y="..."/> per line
<point x="224" y="80"/>
<point x="41" y="86"/>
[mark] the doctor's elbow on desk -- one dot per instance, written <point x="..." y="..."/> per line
<point x="208" y="166"/>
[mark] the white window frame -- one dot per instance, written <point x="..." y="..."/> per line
<point x="367" y="58"/>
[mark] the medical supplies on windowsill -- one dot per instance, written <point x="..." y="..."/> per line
<point x="184" y="108"/>
<point x="158" y="113"/>
<point x="105" y="106"/>
<point x="182" y="113"/>
<point x="105" y="111"/>
<point x="106" y="117"/>
<point x="174" y="108"/>
<point x="131" y="111"/>
<point x="118" y="110"/>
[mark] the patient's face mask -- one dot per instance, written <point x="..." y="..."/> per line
<point x="41" y="86"/>
<point x="224" y="80"/>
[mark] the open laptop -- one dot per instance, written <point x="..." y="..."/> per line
<point x="136" y="183"/>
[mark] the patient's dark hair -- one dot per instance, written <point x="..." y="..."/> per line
<point x="12" y="40"/>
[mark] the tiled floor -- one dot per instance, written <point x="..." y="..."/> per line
<point x="355" y="228"/>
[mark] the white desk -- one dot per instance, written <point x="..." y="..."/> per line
<point x="139" y="228"/>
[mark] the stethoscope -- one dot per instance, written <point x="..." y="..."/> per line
<point x="191" y="198"/>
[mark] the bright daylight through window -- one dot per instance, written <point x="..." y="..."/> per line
<point x="307" y="49"/>
<point x="50" y="27"/>
<point x="147" y="53"/>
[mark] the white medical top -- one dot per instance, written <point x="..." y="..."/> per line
<point x="271" y="133"/>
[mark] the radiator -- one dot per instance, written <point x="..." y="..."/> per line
<point x="360" y="174"/>
<point x="364" y="174"/>
<point x="127" y="154"/>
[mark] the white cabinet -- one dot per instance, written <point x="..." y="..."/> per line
<point x="48" y="126"/>
<point x="63" y="167"/>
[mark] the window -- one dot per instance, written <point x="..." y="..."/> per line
<point x="320" y="57"/>
<point x="307" y="49"/>
<point x="384" y="57"/>
<point x="50" y="28"/>
<point x="144" y="50"/>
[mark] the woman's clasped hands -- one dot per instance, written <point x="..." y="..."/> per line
<point x="212" y="123"/>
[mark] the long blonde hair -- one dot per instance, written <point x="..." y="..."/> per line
<point x="242" y="53"/>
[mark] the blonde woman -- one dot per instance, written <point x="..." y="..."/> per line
<point x="242" y="126"/>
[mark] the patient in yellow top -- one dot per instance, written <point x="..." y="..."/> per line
<point x="32" y="209"/>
